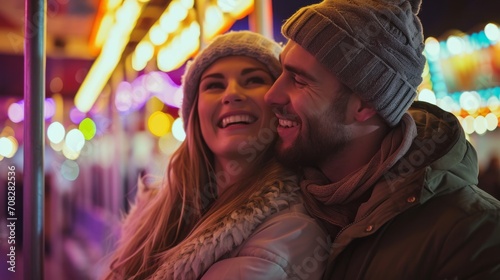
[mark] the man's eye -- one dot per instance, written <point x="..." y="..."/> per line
<point x="298" y="82"/>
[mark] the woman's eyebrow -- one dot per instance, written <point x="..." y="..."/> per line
<point x="250" y="70"/>
<point x="213" y="75"/>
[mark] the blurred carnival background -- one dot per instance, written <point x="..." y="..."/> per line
<point x="113" y="92"/>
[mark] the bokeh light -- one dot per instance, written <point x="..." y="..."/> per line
<point x="76" y="115"/>
<point x="16" y="112"/>
<point x="123" y="97"/>
<point x="70" y="170"/>
<point x="56" y="85"/>
<point x="168" y="143"/>
<point x="178" y="129"/>
<point x="427" y="95"/>
<point x="492" y="121"/>
<point x="49" y="108"/>
<point x="75" y="140"/>
<point x="88" y="128"/>
<point x="56" y="132"/>
<point x="8" y="146"/>
<point x="480" y="125"/>
<point x="160" y="123"/>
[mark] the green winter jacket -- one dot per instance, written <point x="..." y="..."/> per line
<point x="426" y="218"/>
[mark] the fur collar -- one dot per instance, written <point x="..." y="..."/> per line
<point x="193" y="258"/>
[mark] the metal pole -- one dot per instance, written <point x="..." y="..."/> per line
<point x="261" y="19"/>
<point x="34" y="140"/>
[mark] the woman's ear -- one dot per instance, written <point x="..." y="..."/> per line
<point x="364" y="111"/>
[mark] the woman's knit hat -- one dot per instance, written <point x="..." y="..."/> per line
<point x="234" y="43"/>
<point x="372" y="46"/>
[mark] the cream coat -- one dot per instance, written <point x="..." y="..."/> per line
<point x="288" y="245"/>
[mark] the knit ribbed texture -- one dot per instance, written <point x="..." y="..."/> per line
<point x="372" y="46"/>
<point x="235" y="43"/>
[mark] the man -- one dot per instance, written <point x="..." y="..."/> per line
<point x="393" y="185"/>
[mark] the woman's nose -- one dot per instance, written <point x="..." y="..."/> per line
<point x="233" y="93"/>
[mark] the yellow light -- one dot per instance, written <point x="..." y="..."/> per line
<point x="144" y="51"/>
<point x="214" y="20"/>
<point x="168" y="23"/>
<point x="104" y="29"/>
<point x="88" y="128"/>
<point x="159" y="123"/>
<point x="157" y="35"/>
<point x="468" y="124"/>
<point x="480" y="125"/>
<point x="168" y="144"/>
<point x="113" y="4"/>
<point x="446" y="103"/>
<point x="59" y="102"/>
<point x="242" y="9"/>
<point x="7" y="131"/>
<point x="154" y="104"/>
<point x="188" y="4"/>
<point x="104" y="65"/>
<point x="173" y="55"/>
<point x="57" y="147"/>
<point x="492" y="121"/>
<point x="69" y="153"/>
<point x="177" y="11"/>
<point x="493" y="103"/>
<point x="137" y="63"/>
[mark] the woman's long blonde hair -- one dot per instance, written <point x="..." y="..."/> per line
<point x="186" y="199"/>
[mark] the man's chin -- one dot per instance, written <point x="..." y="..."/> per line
<point x="287" y="156"/>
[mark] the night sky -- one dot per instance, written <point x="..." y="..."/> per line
<point x="437" y="16"/>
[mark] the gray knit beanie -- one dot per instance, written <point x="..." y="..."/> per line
<point x="234" y="43"/>
<point x="374" y="47"/>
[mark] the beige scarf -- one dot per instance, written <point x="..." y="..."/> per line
<point x="336" y="203"/>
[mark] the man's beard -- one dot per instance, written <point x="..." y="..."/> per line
<point x="318" y="147"/>
<point x="327" y="135"/>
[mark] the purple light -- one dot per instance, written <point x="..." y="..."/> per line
<point x="76" y="116"/>
<point x="50" y="108"/>
<point x="161" y="85"/>
<point x="16" y="112"/>
<point x="139" y="93"/>
<point x="123" y="98"/>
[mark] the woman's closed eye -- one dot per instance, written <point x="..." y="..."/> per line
<point x="255" y="80"/>
<point x="211" y="85"/>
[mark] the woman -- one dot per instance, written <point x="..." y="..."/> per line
<point x="227" y="210"/>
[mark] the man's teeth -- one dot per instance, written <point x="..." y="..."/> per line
<point x="287" y="123"/>
<point x="237" y="119"/>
